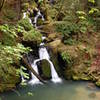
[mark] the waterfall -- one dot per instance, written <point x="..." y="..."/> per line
<point x="36" y="18"/>
<point x="43" y="54"/>
<point x="34" y="79"/>
<point x="25" y="16"/>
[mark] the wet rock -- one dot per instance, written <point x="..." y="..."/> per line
<point x="44" y="69"/>
<point x="54" y="45"/>
<point x="52" y="36"/>
<point x="54" y="59"/>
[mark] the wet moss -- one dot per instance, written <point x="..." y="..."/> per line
<point x="46" y="71"/>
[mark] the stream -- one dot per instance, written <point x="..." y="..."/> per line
<point x="68" y="90"/>
<point x="56" y="88"/>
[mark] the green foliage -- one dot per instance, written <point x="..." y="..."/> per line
<point x="22" y="72"/>
<point x="66" y="57"/>
<point x="67" y="29"/>
<point x="81" y="15"/>
<point x="29" y="33"/>
<point x="40" y="1"/>
<point x="93" y="10"/>
<point x="25" y="23"/>
<point x="32" y="35"/>
<point x="70" y="41"/>
<point x="78" y="23"/>
<point x="8" y="34"/>
<point x="91" y="1"/>
<point x="71" y="30"/>
<point x="11" y="54"/>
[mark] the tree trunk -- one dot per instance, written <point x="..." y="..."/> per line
<point x="32" y="70"/>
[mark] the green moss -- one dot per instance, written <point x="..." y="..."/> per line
<point x="55" y="62"/>
<point x="8" y="78"/>
<point x="8" y="34"/>
<point x="11" y="53"/>
<point x="46" y="69"/>
<point x="32" y="35"/>
<point x="25" y="23"/>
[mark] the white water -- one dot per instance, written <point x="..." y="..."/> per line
<point x="34" y="79"/>
<point x="43" y="54"/>
<point x="25" y="16"/>
<point x="36" y="18"/>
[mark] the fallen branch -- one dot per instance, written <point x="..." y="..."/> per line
<point x="32" y="70"/>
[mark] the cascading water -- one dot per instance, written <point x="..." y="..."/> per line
<point x="36" y="18"/>
<point x="25" y="16"/>
<point x="43" y="54"/>
<point x="34" y="79"/>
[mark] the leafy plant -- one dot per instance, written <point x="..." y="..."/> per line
<point x="32" y="35"/>
<point x="66" y="57"/>
<point x="11" y="54"/>
<point x="91" y="1"/>
<point x="25" y="23"/>
<point x="8" y="34"/>
<point x="22" y="72"/>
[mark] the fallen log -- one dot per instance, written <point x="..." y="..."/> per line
<point x="32" y="70"/>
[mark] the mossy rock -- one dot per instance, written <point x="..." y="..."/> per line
<point x="54" y="59"/>
<point x="46" y="71"/>
<point x="32" y="35"/>
<point x="25" y="23"/>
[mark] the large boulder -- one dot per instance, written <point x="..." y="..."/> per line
<point x="44" y="69"/>
<point x="54" y="45"/>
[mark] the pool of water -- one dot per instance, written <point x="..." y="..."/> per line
<point x="68" y="90"/>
